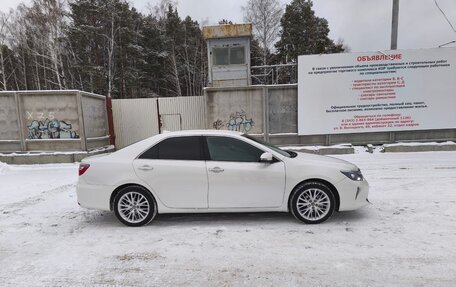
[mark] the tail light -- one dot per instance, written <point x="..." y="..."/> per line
<point x="83" y="167"/>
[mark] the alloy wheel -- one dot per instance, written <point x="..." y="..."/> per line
<point x="133" y="207"/>
<point x="313" y="204"/>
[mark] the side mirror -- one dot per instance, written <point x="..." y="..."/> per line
<point x="266" y="157"/>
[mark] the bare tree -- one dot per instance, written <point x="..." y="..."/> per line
<point x="19" y="44"/>
<point x="160" y="9"/>
<point x="54" y="11"/>
<point x="42" y="34"/>
<point x="265" y="16"/>
<point x="4" y="18"/>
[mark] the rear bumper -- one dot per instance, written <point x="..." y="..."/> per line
<point x="353" y="194"/>
<point x="94" y="196"/>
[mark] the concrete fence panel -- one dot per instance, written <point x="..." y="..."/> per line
<point x="95" y="120"/>
<point x="283" y="109"/>
<point x="238" y="109"/>
<point x="10" y="129"/>
<point x="50" y="121"/>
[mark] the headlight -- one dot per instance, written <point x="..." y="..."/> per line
<point x="353" y="175"/>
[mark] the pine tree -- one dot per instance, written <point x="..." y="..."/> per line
<point x="86" y="39"/>
<point x="304" y="33"/>
<point x="153" y="60"/>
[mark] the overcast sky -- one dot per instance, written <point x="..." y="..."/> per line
<point x="364" y="25"/>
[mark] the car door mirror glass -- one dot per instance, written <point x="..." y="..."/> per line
<point x="266" y="157"/>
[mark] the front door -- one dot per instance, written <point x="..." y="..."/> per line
<point x="238" y="180"/>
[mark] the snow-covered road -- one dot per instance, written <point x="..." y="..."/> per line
<point x="406" y="238"/>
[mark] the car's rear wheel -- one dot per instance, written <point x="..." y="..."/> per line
<point x="312" y="202"/>
<point x="134" y="206"/>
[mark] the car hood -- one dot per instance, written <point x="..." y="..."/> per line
<point x="315" y="159"/>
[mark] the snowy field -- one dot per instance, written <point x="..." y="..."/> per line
<point x="407" y="237"/>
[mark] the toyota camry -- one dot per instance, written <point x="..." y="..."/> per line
<point x="217" y="171"/>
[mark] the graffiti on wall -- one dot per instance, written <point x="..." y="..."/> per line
<point x="218" y="124"/>
<point x="51" y="129"/>
<point x="238" y="122"/>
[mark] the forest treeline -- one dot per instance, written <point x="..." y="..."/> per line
<point x="108" y="47"/>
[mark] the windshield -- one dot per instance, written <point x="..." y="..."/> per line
<point x="268" y="145"/>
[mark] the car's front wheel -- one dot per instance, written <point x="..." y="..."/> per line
<point x="134" y="206"/>
<point x="312" y="202"/>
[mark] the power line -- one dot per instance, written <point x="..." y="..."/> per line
<point x="451" y="42"/>
<point x="443" y="13"/>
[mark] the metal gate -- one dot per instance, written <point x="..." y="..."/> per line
<point x="137" y="119"/>
<point x="170" y="122"/>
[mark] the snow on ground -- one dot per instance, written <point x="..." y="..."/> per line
<point x="447" y="143"/>
<point x="407" y="237"/>
<point x="3" y="167"/>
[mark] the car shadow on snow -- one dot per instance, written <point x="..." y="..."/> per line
<point x="257" y="218"/>
<point x="225" y="218"/>
<point x="208" y="219"/>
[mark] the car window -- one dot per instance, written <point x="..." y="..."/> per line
<point x="230" y="149"/>
<point x="273" y="147"/>
<point x="177" y="148"/>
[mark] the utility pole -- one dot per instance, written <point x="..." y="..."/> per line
<point x="394" y="24"/>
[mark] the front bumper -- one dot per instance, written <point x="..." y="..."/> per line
<point x="353" y="194"/>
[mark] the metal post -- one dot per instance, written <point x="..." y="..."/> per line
<point x="266" y="113"/>
<point x="158" y="115"/>
<point x="20" y="122"/>
<point x="392" y="137"/>
<point x="82" y="131"/>
<point x="394" y="24"/>
<point x="112" y="135"/>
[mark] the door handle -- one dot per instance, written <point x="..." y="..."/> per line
<point x="216" y="169"/>
<point x="146" y="167"/>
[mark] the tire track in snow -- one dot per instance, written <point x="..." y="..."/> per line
<point x="17" y="206"/>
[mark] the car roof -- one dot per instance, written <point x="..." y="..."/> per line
<point x="201" y="132"/>
<point x="135" y="148"/>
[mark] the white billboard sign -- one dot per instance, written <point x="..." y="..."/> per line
<point x="377" y="91"/>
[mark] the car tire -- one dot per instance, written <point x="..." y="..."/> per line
<point x="135" y="206"/>
<point x="312" y="202"/>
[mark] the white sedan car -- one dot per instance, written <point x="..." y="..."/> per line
<point x="217" y="171"/>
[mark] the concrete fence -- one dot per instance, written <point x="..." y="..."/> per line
<point x="271" y="111"/>
<point x="78" y="121"/>
<point x="52" y="121"/>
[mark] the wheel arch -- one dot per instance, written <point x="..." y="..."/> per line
<point x="322" y="181"/>
<point x="119" y="188"/>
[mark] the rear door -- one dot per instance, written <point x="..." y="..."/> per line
<point x="175" y="170"/>
<point x="237" y="178"/>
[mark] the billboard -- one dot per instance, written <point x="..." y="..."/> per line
<point x="395" y="90"/>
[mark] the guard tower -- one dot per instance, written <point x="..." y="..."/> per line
<point x="228" y="50"/>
